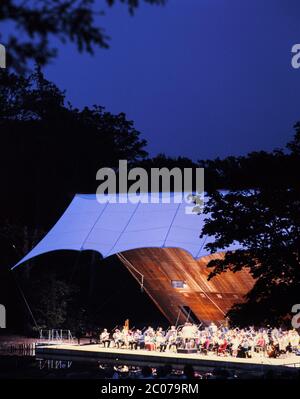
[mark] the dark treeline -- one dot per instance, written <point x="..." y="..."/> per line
<point x="49" y="152"/>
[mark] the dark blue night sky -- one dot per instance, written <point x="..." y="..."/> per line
<point x="200" y="78"/>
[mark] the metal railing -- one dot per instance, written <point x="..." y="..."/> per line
<point x="56" y="336"/>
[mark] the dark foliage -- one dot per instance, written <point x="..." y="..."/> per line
<point x="50" y="150"/>
<point x="265" y="220"/>
<point x="36" y="21"/>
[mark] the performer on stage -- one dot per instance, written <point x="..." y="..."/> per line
<point x="171" y="338"/>
<point x="160" y="341"/>
<point x="149" y="332"/>
<point x="139" y="338"/>
<point x="118" y="339"/>
<point x="104" y="338"/>
<point x="132" y="341"/>
<point x="189" y="334"/>
<point x="125" y="336"/>
<point x="149" y="338"/>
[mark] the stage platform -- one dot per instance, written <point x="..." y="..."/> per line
<point x="258" y="364"/>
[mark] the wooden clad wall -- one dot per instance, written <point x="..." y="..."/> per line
<point x="208" y="300"/>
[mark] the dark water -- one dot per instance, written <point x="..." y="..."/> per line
<point x="32" y="367"/>
<point x="24" y="365"/>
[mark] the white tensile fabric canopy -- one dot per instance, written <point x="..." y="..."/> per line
<point x="110" y="228"/>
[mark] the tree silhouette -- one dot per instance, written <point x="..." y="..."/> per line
<point x="265" y="220"/>
<point x="68" y="20"/>
<point x="51" y="151"/>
